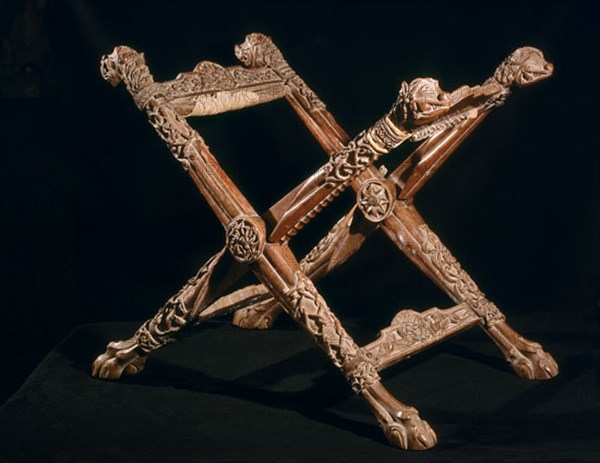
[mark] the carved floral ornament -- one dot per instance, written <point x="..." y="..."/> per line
<point x="375" y="200"/>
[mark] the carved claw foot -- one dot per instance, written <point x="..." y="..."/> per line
<point x="527" y="358"/>
<point x="401" y="424"/>
<point x="121" y="357"/>
<point x="259" y="316"/>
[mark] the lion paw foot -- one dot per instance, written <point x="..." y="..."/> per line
<point x="401" y="424"/>
<point x="533" y="363"/>
<point x="407" y="430"/>
<point x="527" y="358"/>
<point x="261" y="316"/>
<point x="121" y="357"/>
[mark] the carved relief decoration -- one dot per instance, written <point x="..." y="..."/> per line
<point x="354" y="158"/>
<point x="210" y="77"/>
<point x="375" y="200"/>
<point x="525" y="66"/>
<point x="455" y="278"/>
<point x="173" y="130"/>
<point x="311" y="311"/>
<point x="246" y="239"/>
<point x="318" y="254"/>
<point x="440" y="125"/>
<point x="322" y="246"/>
<point x="173" y="316"/>
<point x="361" y="375"/>
<point x="421" y="100"/>
<point x="127" y="65"/>
<point x="410" y="331"/>
<point x="258" y="50"/>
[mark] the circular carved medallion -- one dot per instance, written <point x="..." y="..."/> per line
<point x="375" y="200"/>
<point x="245" y="239"/>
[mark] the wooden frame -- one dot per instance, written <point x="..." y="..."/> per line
<point x="422" y="111"/>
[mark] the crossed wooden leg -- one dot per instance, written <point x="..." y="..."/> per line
<point x="399" y="219"/>
<point x="175" y="319"/>
<point x="423" y="247"/>
<point x="298" y="296"/>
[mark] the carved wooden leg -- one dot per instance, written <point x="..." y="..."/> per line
<point x="260" y="315"/>
<point x="401" y="424"/>
<point x="343" y="240"/>
<point x="421" y="245"/>
<point x="180" y="313"/>
<point x="298" y="296"/>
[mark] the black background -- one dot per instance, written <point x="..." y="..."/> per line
<point x="100" y="223"/>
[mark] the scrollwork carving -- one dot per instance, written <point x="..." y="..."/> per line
<point x="444" y="123"/>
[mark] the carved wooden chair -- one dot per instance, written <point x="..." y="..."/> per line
<point x="422" y="111"/>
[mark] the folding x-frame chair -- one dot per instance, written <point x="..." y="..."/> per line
<point x="422" y="112"/>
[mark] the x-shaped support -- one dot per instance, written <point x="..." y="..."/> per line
<point x="422" y="110"/>
<point x="387" y="203"/>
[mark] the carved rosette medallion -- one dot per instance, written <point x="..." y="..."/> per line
<point x="375" y="200"/>
<point x="246" y="239"/>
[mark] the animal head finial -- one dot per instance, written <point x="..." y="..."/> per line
<point x="109" y="68"/>
<point x="126" y="64"/>
<point x="525" y="66"/>
<point x="420" y="101"/>
<point x="252" y="51"/>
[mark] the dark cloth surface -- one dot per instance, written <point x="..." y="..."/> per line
<point x="231" y="395"/>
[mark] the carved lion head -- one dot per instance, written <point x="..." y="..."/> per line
<point x="525" y="66"/>
<point x="251" y="52"/>
<point x="422" y="100"/>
